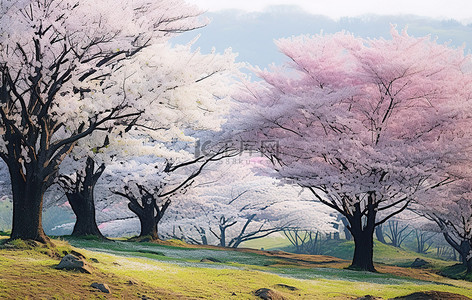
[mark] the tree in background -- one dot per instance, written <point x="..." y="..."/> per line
<point x="313" y="224"/>
<point x="366" y="125"/>
<point x="423" y="240"/>
<point x="232" y="202"/>
<point x="179" y="92"/>
<point x="57" y="85"/>
<point x="149" y="187"/>
<point x="79" y="190"/>
<point x="397" y="232"/>
<point x="452" y="213"/>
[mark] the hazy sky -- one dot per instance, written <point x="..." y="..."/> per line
<point x="460" y="10"/>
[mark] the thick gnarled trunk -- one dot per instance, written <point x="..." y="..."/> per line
<point x="464" y="252"/>
<point x="363" y="251"/>
<point x="148" y="223"/>
<point x="27" y="209"/>
<point x="463" y="248"/>
<point x="80" y="194"/>
<point x="83" y="206"/>
<point x="147" y="210"/>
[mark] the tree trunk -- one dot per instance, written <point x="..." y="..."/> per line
<point x="149" y="228"/>
<point x="80" y="194"/>
<point x="147" y="210"/>
<point x="463" y="249"/>
<point x="469" y="266"/>
<point x="27" y="209"/>
<point x="83" y="205"/>
<point x="222" y="236"/>
<point x="347" y="233"/>
<point x="146" y="217"/>
<point x="203" y="236"/>
<point x="363" y="251"/>
<point x="379" y="234"/>
<point x="362" y="226"/>
<point x="465" y="252"/>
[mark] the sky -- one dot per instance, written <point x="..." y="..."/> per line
<point x="460" y="10"/>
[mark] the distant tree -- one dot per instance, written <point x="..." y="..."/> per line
<point x="150" y="186"/>
<point x="397" y="232"/>
<point x="353" y="119"/>
<point x="306" y="242"/>
<point x="379" y="234"/>
<point x="453" y="215"/>
<point x="231" y="204"/>
<point x="57" y="85"/>
<point x="423" y="241"/>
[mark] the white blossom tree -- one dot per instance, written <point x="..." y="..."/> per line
<point x="58" y="61"/>
<point x="230" y="204"/>
<point x="180" y="92"/>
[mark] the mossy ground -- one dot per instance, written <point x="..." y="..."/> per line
<point x="174" y="271"/>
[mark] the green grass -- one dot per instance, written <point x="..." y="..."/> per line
<point x="270" y="242"/>
<point x="184" y="256"/>
<point x="343" y="249"/>
<point x="175" y="272"/>
<point x="220" y="283"/>
<point x="456" y="271"/>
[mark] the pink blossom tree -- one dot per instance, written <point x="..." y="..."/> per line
<point x="365" y="125"/>
<point x="452" y="213"/>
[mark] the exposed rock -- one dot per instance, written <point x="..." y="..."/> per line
<point x="288" y="287"/>
<point x="102" y="287"/>
<point x="368" y="297"/>
<point x="432" y="295"/>
<point x="420" y="263"/>
<point x="72" y="262"/>
<point x="94" y="260"/>
<point x="211" y="259"/>
<point x="268" y="294"/>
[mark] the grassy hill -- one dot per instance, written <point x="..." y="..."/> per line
<point x="383" y="253"/>
<point x="173" y="270"/>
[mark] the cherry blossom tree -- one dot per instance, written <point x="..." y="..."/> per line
<point x="79" y="191"/>
<point x="231" y="203"/>
<point x="189" y="92"/>
<point x="57" y="85"/>
<point x="312" y="223"/>
<point x="366" y="125"/>
<point x="149" y="192"/>
<point x="452" y="213"/>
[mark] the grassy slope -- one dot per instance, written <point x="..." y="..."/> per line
<point x="172" y="272"/>
<point x="344" y="249"/>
